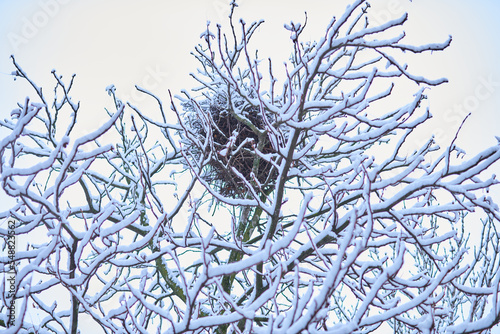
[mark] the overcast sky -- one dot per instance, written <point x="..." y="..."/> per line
<point x="148" y="43"/>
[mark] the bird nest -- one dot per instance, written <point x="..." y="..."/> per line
<point x="234" y="163"/>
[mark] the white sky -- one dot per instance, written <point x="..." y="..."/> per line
<point x="125" y="42"/>
<point x="147" y="43"/>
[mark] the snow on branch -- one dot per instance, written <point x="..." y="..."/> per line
<point x="261" y="201"/>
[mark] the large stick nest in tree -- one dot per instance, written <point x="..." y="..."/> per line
<point x="233" y="144"/>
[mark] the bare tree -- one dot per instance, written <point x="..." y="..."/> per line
<point x="257" y="203"/>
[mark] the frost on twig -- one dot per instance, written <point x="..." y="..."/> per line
<point x="260" y="202"/>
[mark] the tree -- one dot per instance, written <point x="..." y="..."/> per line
<point x="258" y="203"/>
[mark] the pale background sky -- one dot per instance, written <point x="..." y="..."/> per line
<point x="148" y="42"/>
